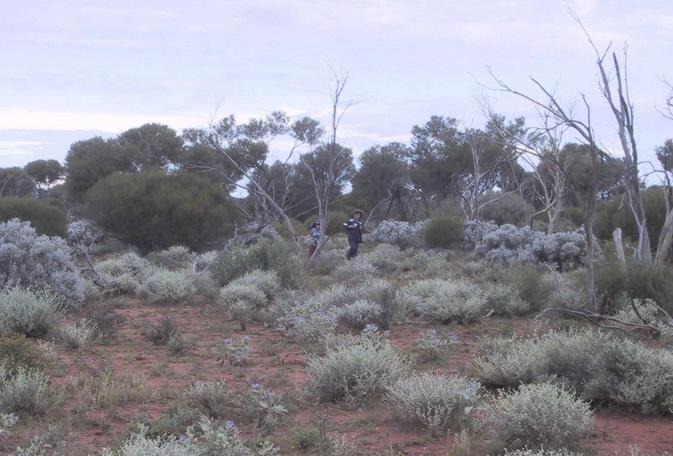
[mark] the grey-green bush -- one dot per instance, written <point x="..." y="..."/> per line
<point x="32" y="313"/>
<point x="355" y="370"/>
<point x="537" y="416"/>
<point x="444" y="301"/>
<point x="24" y="391"/>
<point x="437" y="402"/>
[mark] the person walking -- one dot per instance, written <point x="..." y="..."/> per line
<point x="314" y="236"/>
<point x="354" y="227"/>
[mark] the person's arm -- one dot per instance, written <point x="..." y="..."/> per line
<point x="351" y="224"/>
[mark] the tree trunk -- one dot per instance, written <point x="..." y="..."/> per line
<point x="619" y="246"/>
<point x="589" y="234"/>
<point x="665" y="240"/>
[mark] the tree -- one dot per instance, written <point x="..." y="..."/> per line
<point x="383" y="177"/>
<point x="45" y="173"/>
<point x="90" y="160"/>
<point x="437" y="158"/>
<point x="151" y="146"/>
<point x="154" y="210"/>
<point x="665" y="157"/>
<point x="16" y="182"/>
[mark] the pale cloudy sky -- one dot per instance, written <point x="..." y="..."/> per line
<point x="74" y="69"/>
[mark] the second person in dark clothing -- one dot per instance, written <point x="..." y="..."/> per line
<point x="354" y="227"/>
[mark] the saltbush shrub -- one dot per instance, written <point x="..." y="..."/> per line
<point x="33" y="314"/>
<point x="542" y="415"/>
<point x="599" y="367"/>
<point x="78" y="334"/>
<point x="437" y="402"/>
<point x="24" y="391"/>
<point x="444" y="301"/>
<point x="613" y="283"/>
<point x="359" y="314"/>
<point x="215" y="399"/>
<point x="168" y="287"/>
<point x="444" y="232"/>
<point x="401" y="234"/>
<point x="46" y="218"/>
<point x="355" y="369"/>
<point x="37" y="261"/>
<point x="505" y="300"/>
<point x="124" y="273"/>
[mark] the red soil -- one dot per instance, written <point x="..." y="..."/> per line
<point x="277" y="362"/>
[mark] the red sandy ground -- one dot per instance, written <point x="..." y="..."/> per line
<point x="277" y="362"/>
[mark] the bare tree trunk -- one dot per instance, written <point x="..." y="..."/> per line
<point x="619" y="246"/>
<point x="665" y="241"/>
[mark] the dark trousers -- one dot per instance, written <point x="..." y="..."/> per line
<point x="353" y="248"/>
<point x="311" y="250"/>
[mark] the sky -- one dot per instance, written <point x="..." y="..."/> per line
<point x="72" y="70"/>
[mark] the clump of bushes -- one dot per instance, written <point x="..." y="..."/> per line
<point x="444" y="301"/>
<point x="24" y="390"/>
<point x="358" y="314"/>
<point x="37" y="261"/>
<point x="539" y="416"/>
<point x="246" y="295"/>
<point x="431" y="345"/>
<point x="267" y="254"/>
<point x="614" y="283"/>
<point x="444" y="231"/>
<point x="33" y="314"/>
<point x="78" y="334"/>
<point x="390" y="258"/>
<point x="519" y="289"/>
<point x="506" y="244"/>
<point x="438" y="403"/>
<point x="168" y="287"/>
<point x="125" y="273"/>
<point x="16" y="351"/>
<point x="355" y="369"/>
<point x="599" y="367"/>
<point x="402" y="234"/>
<point x="215" y="399"/>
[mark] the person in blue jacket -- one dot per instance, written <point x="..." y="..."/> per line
<point x="314" y="236"/>
<point x="354" y="227"/>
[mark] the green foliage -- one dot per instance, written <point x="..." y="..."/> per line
<point x="268" y="254"/>
<point x="444" y="231"/>
<point x="16" y="351"/>
<point x="530" y="283"/>
<point x="154" y="210"/>
<point x="614" y="284"/>
<point x="539" y="416"/>
<point x="44" y="172"/>
<point x="445" y="301"/>
<point x="169" y="287"/>
<point x="174" y="258"/>
<point x="437" y="402"/>
<point x="508" y="207"/>
<point x="16" y="182"/>
<point x="44" y="217"/>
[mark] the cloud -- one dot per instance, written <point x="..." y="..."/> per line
<point x="11" y="149"/>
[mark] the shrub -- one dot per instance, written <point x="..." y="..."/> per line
<point x="215" y="399"/>
<point x="267" y="254"/>
<point x="78" y="334"/>
<point x="443" y="231"/>
<point x="542" y="415"/>
<point x="169" y="287"/>
<point x="153" y="210"/>
<point x="402" y="234"/>
<point x="355" y="370"/>
<point x="359" y="314"/>
<point x="235" y="352"/>
<point x="436" y="402"/>
<point x="162" y="332"/>
<point x="614" y="283"/>
<point x="46" y="218"/>
<point x="444" y="300"/>
<point x="505" y="300"/>
<point x="16" y="351"/>
<point x="267" y="282"/>
<point x="541" y="452"/>
<point x="34" y="314"/>
<point x="599" y="367"/>
<point x="204" y="439"/>
<point x="386" y="257"/>
<point x="125" y="273"/>
<point x="431" y="345"/>
<point x="174" y="258"/>
<point x="315" y="316"/>
<point x="263" y="407"/>
<point x="32" y="260"/>
<point x="529" y="283"/>
<point x="355" y="269"/>
<point x="509" y="207"/>
<point x="327" y="262"/>
<point x="24" y="391"/>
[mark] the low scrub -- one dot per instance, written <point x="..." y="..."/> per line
<point x="355" y="369"/>
<point x="33" y="314"/>
<point x="539" y="416"/>
<point x="124" y="274"/>
<point x="78" y="334"/>
<point x="444" y="232"/>
<point x="214" y="399"/>
<point x="24" y="391"/>
<point x="599" y="367"/>
<point x="16" y="351"/>
<point x="169" y="287"/>
<point x="402" y="234"/>
<point x="444" y="301"/>
<point x="438" y="403"/>
<point x="174" y="258"/>
<point x="541" y="452"/>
